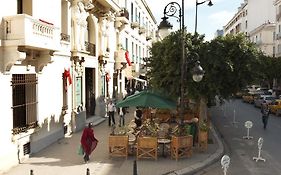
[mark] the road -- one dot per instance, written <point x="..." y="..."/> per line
<point x="229" y="119"/>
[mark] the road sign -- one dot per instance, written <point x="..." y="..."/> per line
<point x="248" y="125"/>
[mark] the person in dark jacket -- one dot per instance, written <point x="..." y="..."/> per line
<point x="265" y="114"/>
<point x="138" y="117"/>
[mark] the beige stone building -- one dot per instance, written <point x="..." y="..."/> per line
<point x="59" y="61"/>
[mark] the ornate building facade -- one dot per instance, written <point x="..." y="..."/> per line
<point x="60" y="61"/>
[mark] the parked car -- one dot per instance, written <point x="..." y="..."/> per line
<point x="250" y="97"/>
<point x="263" y="98"/>
<point x="275" y="106"/>
<point x="241" y="93"/>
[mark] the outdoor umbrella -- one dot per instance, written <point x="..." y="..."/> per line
<point x="147" y="99"/>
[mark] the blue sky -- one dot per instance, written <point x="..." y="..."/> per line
<point x="209" y="19"/>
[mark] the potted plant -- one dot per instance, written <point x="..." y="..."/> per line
<point x="203" y="135"/>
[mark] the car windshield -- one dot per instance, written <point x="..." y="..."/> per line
<point x="269" y="98"/>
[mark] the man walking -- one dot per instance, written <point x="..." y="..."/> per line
<point x="265" y="114"/>
<point x="111" y="110"/>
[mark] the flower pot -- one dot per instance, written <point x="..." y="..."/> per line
<point x="203" y="140"/>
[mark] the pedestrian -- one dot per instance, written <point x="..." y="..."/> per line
<point x="138" y="117"/>
<point x="265" y="114"/>
<point x="111" y="110"/>
<point x="122" y="111"/>
<point x="88" y="141"/>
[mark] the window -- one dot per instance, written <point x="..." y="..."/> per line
<point x="24" y="7"/>
<point x="139" y="18"/>
<point x="133" y="55"/>
<point x="19" y="6"/>
<point x="137" y="53"/>
<point x="24" y="92"/>
<point x="126" y="43"/>
<point x="132" y="12"/>
<point x="140" y="53"/>
<point x="136" y="15"/>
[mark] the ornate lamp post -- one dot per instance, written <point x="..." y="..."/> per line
<point x="199" y="3"/>
<point x="171" y="10"/>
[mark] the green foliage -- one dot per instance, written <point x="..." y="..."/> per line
<point x="230" y="63"/>
<point x="203" y="126"/>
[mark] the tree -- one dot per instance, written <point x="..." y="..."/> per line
<point x="229" y="62"/>
<point x="269" y="69"/>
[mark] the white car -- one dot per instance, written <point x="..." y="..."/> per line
<point x="263" y="98"/>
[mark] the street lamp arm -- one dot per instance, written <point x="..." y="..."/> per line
<point x="199" y="3"/>
<point x="171" y="9"/>
<point x="209" y="4"/>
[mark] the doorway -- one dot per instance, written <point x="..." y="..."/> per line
<point x="90" y="92"/>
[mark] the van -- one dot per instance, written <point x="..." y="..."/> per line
<point x="253" y="88"/>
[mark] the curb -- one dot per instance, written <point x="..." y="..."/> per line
<point x="203" y="164"/>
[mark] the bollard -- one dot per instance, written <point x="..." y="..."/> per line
<point x="225" y="161"/>
<point x="88" y="171"/>
<point x="31" y="172"/>
<point x="135" y="168"/>
<point x="260" y="142"/>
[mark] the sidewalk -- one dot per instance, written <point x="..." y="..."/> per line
<point x="61" y="158"/>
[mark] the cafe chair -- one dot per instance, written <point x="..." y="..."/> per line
<point x="147" y="147"/>
<point x="181" y="146"/>
<point x="118" y="145"/>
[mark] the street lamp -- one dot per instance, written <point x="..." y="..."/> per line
<point x="199" y="3"/>
<point x="171" y="10"/>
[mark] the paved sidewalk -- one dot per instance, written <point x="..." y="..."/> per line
<point x="61" y="158"/>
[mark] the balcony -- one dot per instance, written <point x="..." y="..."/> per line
<point x="120" y="60"/>
<point x="149" y="36"/>
<point x="122" y="19"/>
<point x="28" y="41"/>
<point x="26" y="31"/>
<point x="142" y="30"/>
<point x="91" y="48"/>
<point x="135" y="25"/>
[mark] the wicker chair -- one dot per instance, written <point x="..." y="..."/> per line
<point x="181" y="146"/>
<point x="147" y="147"/>
<point x="118" y="146"/>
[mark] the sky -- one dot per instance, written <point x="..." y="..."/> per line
<point x="209" y="19"/>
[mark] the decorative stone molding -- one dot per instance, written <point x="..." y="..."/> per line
<point x="44" y="59"/>
<point x="10" y="56"/>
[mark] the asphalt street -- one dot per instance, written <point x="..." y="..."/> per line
<point x="229" y="120"/>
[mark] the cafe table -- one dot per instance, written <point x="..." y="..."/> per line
<point x="163" y="142"/>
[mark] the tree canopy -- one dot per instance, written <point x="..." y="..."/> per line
<point x="230" y="63"/>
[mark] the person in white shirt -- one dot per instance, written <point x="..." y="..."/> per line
<point x="111" y="110"/>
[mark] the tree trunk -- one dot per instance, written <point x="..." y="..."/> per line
<point x="203" y="110"/>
